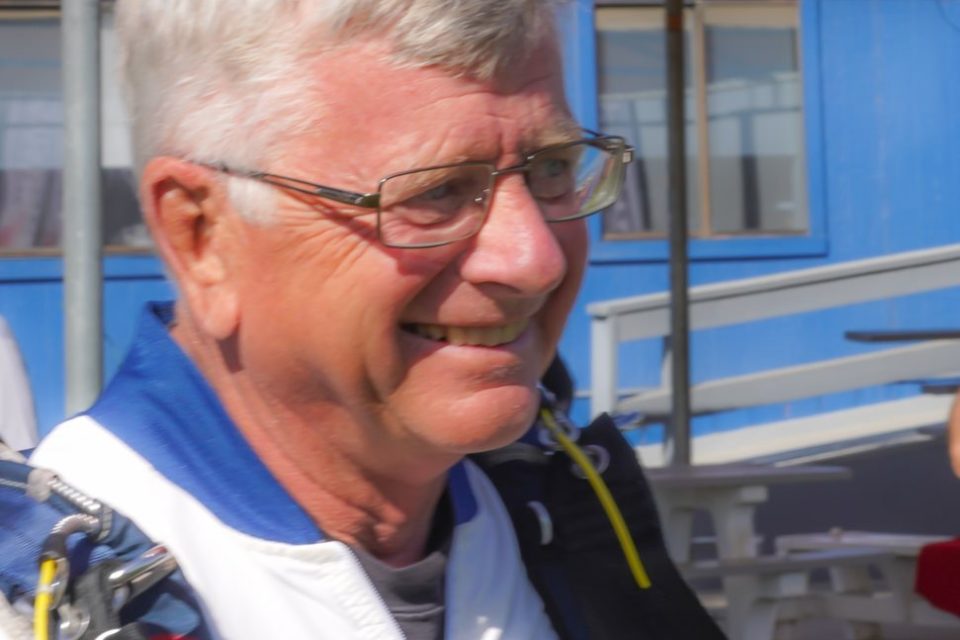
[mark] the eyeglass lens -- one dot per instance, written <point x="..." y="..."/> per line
<point x="435" y="206"/>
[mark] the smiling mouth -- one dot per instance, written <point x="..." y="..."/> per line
<point x="472" y="336"/>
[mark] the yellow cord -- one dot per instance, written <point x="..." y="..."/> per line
<point x="606" y="500"/>
<point x="44" y="599"/>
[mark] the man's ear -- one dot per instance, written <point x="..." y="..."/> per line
<point x="195" y="230"/>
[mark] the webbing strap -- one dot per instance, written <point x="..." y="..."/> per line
<point x="587" y="588"/>
<point x="25" y="525"/>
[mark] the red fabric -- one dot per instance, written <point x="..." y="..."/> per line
<point x="938" y="575"/>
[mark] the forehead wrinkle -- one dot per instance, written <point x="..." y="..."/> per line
<point x="463" y="142"/>
<point x="471" y="147"/>
<point x="558" y="131"/>
<point x="347" y="173"/>
<point x="544" y="111"/>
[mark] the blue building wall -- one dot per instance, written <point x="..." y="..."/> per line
<point x="31" y="300"/>
<point x="883" y="152"/>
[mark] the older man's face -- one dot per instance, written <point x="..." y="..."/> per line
<point x="334" y="323"/>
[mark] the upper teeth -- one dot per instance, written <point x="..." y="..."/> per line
<point x="484" y="336"/>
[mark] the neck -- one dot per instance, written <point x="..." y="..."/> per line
<point x="349" y="484"/>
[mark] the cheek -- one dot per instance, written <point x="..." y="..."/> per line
<point x="573" y="238"/>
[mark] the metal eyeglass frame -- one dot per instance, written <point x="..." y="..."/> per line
<point x="372" y="200"/>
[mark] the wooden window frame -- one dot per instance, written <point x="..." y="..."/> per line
<point x="761" y="243"/>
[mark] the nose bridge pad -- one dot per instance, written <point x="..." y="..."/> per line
<point x="520" y="204"/>
<point x="517" y="168"/>
<point x="522" y="168"/>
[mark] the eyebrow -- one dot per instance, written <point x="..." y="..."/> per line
<point x="560" y="132"/>
<point x="416" y="183"/>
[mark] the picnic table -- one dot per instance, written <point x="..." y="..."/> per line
<point x="730" y="493"/>
<point x="755" y="586"/>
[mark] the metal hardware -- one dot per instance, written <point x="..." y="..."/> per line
<point x="546" y="522"/>
<point x="599" y="457"/>
<point x="141" y="573"/>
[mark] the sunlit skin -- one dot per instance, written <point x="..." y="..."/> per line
<point x="953" y="436"/>
<point x="298" y="324"/>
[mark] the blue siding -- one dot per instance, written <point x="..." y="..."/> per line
<point x="883" y="153"/>
<point x="31" y="299"/>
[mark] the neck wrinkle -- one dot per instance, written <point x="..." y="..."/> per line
<point x="383" y="513"/>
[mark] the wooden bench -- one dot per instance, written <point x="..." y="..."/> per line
<point x="855" y="593"/>
<point x="899" y="544"/>
<point x="784" y="564"/>
<point x="758" y="589"/>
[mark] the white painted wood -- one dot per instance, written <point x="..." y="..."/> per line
<point x="730" y="494"/>
<point x="885" y="608"/>
<point x="723" y="477"/>
<point x="757" y="587"/>
<point x="881" y="419"/>
<point x="803" y="381"/>
<point x="605" y="343"/>
<point x="898" y="544"/>
<point x="751" y="299"/>
<point x="803" y="289"/>
<point x="801" y="562"/>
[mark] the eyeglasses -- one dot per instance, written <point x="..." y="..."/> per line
<point x="434" y="206"/>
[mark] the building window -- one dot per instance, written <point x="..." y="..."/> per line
<point x="745" y="164"/>
<point x="31" y="138"/>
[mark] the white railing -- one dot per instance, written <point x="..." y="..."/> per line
<point x="642" y="317"/>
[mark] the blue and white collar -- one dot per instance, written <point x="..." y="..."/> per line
<point x="161" y="406"/>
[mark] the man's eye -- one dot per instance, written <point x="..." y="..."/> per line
<point x="434" y="205"/>
<point x="448" y="195"/>
<point x="439" y="192"/>
<point x="554" y="167"/>
<point x="551" y="178"/>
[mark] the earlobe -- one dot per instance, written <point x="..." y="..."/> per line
<point x="188" y="214"/>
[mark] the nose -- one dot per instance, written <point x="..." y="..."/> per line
<point x="516" y="248"/>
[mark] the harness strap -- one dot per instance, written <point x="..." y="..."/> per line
<point x="68" y="559"/>
<point x="587" y="586"/>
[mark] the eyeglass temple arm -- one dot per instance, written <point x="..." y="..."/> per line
<point x="365" y="200"/>
<point x="628" y="152"/>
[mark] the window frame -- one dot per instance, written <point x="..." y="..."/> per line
<point x="813" y="242"/>
<point x="51" y="9"/>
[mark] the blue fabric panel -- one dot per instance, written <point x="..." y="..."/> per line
<point x="464" y="502"/>
<point x="162" y="407"/>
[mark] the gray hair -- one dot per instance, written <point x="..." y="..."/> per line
<point x="216" y="80"/>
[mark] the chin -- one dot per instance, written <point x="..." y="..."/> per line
<point x="490" y="420"/>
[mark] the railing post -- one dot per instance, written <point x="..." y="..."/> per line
<point x="604" y="345"/>
<point x="677" y="440"/>
<point x="82" y="201"/>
